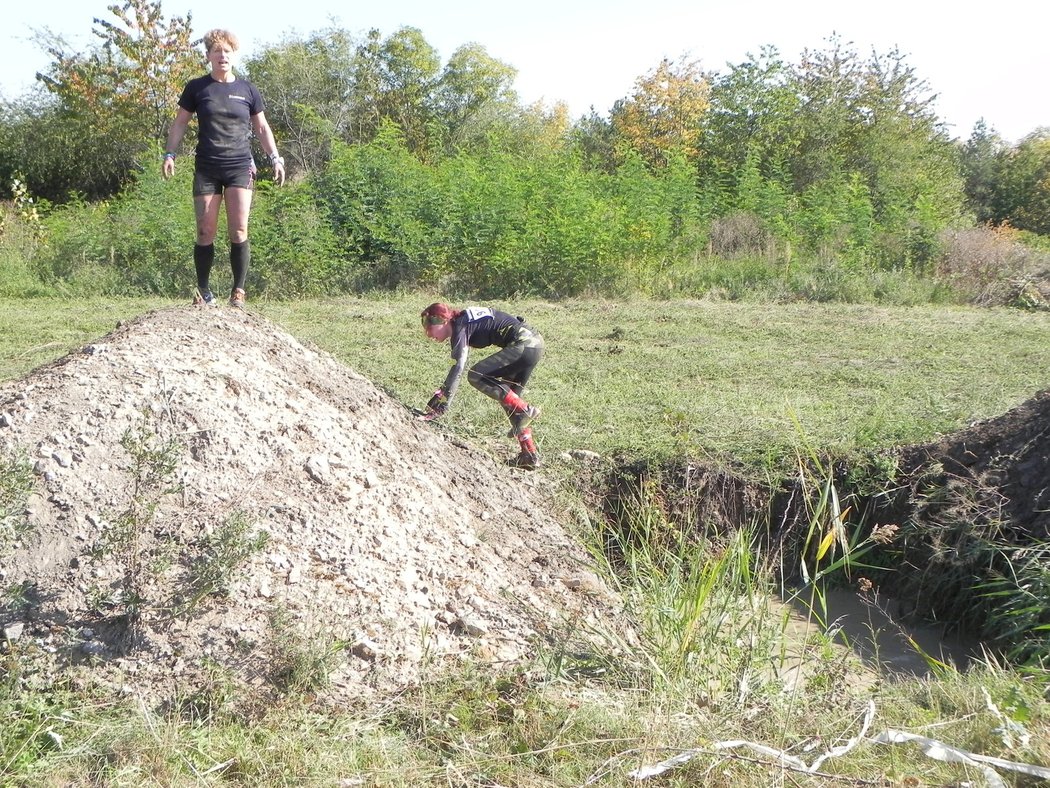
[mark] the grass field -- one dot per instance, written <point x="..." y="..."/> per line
<point x="726" y="381"/>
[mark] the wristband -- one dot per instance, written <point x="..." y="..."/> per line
<point x="169" y="155"/>
<point x="276" y="158"/>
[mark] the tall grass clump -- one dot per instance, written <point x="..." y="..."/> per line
<point x="699" y="596"/>
<point x="153" y="230"/>
<point x="1017" y="585"/>
<point x="296" y="251"/>
<point x="21" y="232"/>
<point x="77" y="255"/>
<point x="301" y="658"/>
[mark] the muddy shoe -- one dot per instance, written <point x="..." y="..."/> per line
<point x="522" y="419"/>
<point x="237" y="298"/>
<point x="526" y="460"/>
<point x="203" y="298"/>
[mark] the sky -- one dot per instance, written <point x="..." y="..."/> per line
<point x="990" y="64"/>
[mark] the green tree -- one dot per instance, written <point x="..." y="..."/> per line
<point x="903" y="151"/>
<point x="829" y="115"/>
<point x="752" y="123"/>
<point x="1024" y="188"/>
<point x="474" y="92"/>
<point x="48" y="148"/>
<point x="982" y="159"/>
<point x="119" y="97"/>
<point x="395" y="79"/>
<point x="305" y="82"/>
<point x="874" y="118"/>
<point x="594" y="137"/>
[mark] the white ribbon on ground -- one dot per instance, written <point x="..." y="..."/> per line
<point x="940" y="751"/>
<point x="932" y="748"/>
<point x="645" y="772"/>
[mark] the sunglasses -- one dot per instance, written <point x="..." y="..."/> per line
<point x="432" y="320"/>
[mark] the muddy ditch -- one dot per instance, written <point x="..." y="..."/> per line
<point x="961" y="525"/>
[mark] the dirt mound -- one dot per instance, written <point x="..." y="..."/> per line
<point x="999" y="469"/>
<point x="208" y="493"/>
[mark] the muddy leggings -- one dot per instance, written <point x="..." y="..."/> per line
<point x="508" y="369"/>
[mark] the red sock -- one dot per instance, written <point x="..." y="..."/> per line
<point x="514" y="401"/>
<point x="526" y="442"/>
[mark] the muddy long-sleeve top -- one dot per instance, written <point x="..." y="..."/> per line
<point x="478" y="326"/>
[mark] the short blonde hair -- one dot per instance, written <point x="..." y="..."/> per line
<point x="222" y="38"/>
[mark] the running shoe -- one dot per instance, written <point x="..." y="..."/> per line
<point x="203" y="297"/>
<point x="237" y="298"/>
<point x="526" y="460"/>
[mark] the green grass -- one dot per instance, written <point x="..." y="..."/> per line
<point x="641" y="378"/>
<point x="37" y="330"/>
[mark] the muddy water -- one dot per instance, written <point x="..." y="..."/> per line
<point x="870" y="628"/>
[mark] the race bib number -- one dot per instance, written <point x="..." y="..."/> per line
<point x="478" y="312"/>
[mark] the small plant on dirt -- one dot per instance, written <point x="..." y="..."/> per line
<point x="213" y="699"/>
<point x="222" y="554"/>
<point x="153" y="464"/>
<point x="301" y="661"/>
<point x="17" y="597"/>
<point x="16" y="484"/>
<point x="568" y="653"/>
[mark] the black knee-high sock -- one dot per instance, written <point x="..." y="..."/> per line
<point x="240" y="256"/>
<point x="203" y="257"/>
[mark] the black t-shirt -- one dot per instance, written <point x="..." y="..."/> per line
<point x="224" y="112"/>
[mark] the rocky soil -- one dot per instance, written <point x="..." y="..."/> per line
<point x="209" y="494"/>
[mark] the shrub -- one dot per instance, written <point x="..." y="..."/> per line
<point x="295" y="249"/>
<point x="740" y="234"/>
<point x="988" y="264"/>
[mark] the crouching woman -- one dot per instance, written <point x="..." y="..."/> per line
<point x="501" y="376"/>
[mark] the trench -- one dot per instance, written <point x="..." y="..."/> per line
<point x="908" y="613"/>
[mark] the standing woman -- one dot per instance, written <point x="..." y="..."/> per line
<point x="228" y="109"/>
<point x="501" y="376"/>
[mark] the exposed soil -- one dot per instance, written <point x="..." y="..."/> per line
<point x="995" y="475"/>
<point x="1000" y="468"/>
<point x="381" y="532"/>
<point x="965" y="508"/>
